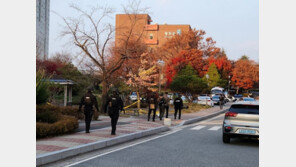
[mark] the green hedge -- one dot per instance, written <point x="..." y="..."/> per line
<point x="65" y="124"/>
<point x="68" y="110"/>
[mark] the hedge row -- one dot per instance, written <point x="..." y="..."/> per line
<point x="68" y="110"/>
<point x="65" y="124"/>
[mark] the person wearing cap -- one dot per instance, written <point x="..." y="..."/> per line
<point x="88" y="101"/>
<point x="178" y="103"/>
<point x="113" y="106"/>
<point x="152" y="105"/>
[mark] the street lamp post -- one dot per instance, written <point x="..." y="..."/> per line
<point x="161" y="64"/>
<point x="207" y="76"/>
<point x="228" y="83"/>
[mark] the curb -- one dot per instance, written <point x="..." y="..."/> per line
<point x="198" y="119"/>
<point x="65" y="153"/>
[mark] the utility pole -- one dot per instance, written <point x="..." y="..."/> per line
<point x="161" y="64"/>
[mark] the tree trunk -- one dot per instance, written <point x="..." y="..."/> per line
<point x="104" y="95"/>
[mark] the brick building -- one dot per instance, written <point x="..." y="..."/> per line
<point x="154" y="35"/>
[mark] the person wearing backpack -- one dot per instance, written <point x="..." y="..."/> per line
<point x="88" y="101"/>
<point x="152" y="102"/>
<point x="178" y="103"/>
<point x="114" y="105"/>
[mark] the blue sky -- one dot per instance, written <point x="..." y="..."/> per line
<point x="233" y="24"/>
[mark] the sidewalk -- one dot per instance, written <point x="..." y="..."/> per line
<point x="56" y="148"/>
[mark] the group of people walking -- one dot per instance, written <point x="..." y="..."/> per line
<point x="114" y="105"/>
<point x="163" y="102"/>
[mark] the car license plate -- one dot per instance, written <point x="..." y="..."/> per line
<point x="247" y="131"/>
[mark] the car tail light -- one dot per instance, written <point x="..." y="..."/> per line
<point x="231" y="114"/>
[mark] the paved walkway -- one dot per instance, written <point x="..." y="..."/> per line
<point x="126" y="126"/>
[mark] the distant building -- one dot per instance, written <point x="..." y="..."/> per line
<point x="42" y="28"/>
<point x="154" y="35"/>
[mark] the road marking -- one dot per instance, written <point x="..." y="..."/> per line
<point x="122" y="148"/>
<point x="198" y="127"/>
<point x="215" y="128"/>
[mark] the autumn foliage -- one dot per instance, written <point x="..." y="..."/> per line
<point x="245" y="74"/>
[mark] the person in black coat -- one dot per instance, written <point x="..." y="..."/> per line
<point x="152" y="105"/>
<point x="161" y="105"/>
<point x="167" y="104"/>
<point x="178" y="104"/>
<point x="221" y="101"/>
<point x="88" y="101"/>
<point x="114" y="105"/>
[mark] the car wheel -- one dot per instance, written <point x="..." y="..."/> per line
<point x="226" y="138"/>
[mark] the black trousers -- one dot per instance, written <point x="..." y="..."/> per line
<point x="176" y="111"/>
<point x="167" y="111"/>
<point x="149" y="113"/>
<point x="114" y="119"/>
<point x="87" y="116"/>
<point x="161" y="112"/>
<point x="221" y="104"/>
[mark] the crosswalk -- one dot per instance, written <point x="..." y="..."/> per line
<point x="211" y="128"/>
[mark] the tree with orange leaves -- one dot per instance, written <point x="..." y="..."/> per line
<point x="245" y="74"/>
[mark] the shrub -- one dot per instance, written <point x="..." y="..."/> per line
<point x="47" y="117"/>
<point x="42" y="85"/>
<point x="68" y="110"/>
<point x="66" y="124"/>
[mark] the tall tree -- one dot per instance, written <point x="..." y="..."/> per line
<point x="245" y="74"/>
<point x="214" y="78"/>
<point x="187" y="81"/>
<point x="95" y="39"/>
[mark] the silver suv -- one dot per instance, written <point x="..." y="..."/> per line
<point x="242" y="119"/>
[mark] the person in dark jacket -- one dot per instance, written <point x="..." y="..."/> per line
<point x="88" y="101"/>
<point x="114" y="105"/>
<point x="178" y="103"/>
<point x="152" y="105"/>
<point x="221" y="101"/>
<point x="161" y="105"/>
<point x="167" y="104"/>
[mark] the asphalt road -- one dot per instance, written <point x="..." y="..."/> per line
<point x="197" y="145"/>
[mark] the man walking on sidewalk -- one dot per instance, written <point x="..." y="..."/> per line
<point x="178" y="103"/>
<point x="221" y="101"/>
<point x="167" y="104"/>
<point x="88" y="100"/>
<point x="152" y="102"/>
<point x="113" y="106"/>
<point x="161" y="106"/>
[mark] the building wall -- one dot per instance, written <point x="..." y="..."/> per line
<point x="42" y="28"/>
<point x="153" y="35"/>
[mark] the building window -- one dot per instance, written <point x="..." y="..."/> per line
<point x="165" y="33"/>
<point x="151" y="36"/>
<point x="179" y="31"/>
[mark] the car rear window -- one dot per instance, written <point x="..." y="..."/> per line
<point x="245" y="109"/>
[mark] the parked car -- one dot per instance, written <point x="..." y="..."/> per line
<point x="248" y="99"/>
<point x="133" y="96"/>
<point x="241" y="120"/>
<point x="216" y="99"/>
<point x="238" y="97"/>
<point x="205" y="100"/>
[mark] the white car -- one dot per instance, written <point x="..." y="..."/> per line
<point x="205" y="100"/>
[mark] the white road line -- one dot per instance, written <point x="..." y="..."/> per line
<point x="215" y="128"/>
<point x="122" y="148"/>
<point x="198" y="127"/>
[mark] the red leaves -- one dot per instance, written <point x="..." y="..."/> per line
<point x="245" y="74"/>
